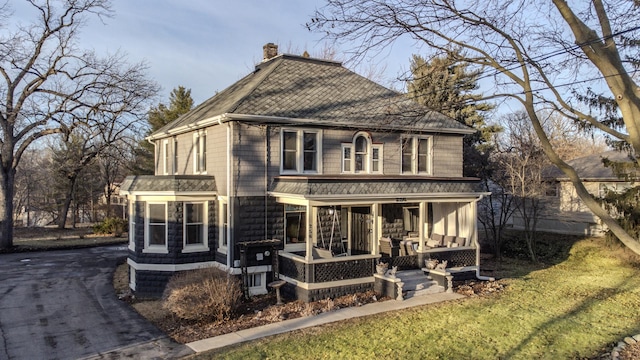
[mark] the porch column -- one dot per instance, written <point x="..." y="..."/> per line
<point x="422" y="210"/>
<point x="311" y="225"/>
<point x="375" y="228"/>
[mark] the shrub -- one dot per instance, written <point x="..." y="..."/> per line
<point x="203" y="294"/>
<point x="112" y="225"/>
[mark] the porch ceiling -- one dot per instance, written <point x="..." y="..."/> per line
<point x="168" y="183"/>
<point x="331" y="187"/>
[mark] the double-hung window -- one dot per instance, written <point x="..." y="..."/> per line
<point x="156" y="221"/>
<point x="195" y="226"/>
<point x="200" y="152"/>
<point x="223" y="215"/>
<point x="361" y="156"/>
<point x="175" y="156"/>
<point x="416" y="155"/>
<point x="165" y="157"/>
<point x="300" y="151"/>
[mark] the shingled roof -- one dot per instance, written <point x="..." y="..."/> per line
<point x="292" y="89"/>
<point x="591" y="167"/>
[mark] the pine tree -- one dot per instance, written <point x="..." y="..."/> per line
<point x="180" y="102"/>
<point x="446" y="85"/>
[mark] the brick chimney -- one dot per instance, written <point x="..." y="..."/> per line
<point x="269" y="51"/>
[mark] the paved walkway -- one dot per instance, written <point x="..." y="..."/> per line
<point x="321" y="319"/>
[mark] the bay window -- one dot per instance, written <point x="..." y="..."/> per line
<point x="156" y="224"/>
<point x="195" y="226"/>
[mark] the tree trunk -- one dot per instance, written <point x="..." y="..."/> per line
<point x="7" y="179"/>
<point x="64" y="210"/>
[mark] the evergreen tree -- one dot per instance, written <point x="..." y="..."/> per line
<point x="446" y="85"/>
<point x="180" y="102"/>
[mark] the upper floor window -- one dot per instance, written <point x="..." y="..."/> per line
<point x="175" y="156"/>
<point x="200" y="152"/>
<point x="300" y="151"/>
<point x="416" y="155"/>
<point x="165" y="157"/>
<point x="361" y="156"/>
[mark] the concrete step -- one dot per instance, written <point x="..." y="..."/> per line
<point x="416" y="283"/>
<point x="434" y="289"/>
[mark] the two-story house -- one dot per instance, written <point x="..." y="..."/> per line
<point x="304" y="162"/>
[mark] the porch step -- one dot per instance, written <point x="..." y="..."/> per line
<point x="416" y="283"/>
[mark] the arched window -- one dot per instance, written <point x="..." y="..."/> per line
<point x="361" y="144"/>
<point x="361" y="155"/>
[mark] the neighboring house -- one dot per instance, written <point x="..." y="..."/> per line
<point x="295" y="172"/>
<point x="563" y="211"/>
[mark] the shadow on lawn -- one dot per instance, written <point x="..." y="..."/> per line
<point x="551" y="249"/>
<point x="570" y="317"/>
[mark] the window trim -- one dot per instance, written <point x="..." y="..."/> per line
<point x="159" y="249"/>
<point x="204" y="246"/>
<point x="174" y="166"/>
<point x="132" y="225"/>
<point x="300" y="151"/>
<point x="165" y="156"/>
<point x="415" y="155"/>
<point x="368" y="161"/>
<point x="200" y="152"/>
<point x="223" y="225"/>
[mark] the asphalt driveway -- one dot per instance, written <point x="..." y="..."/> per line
<point x="61" y="305"/>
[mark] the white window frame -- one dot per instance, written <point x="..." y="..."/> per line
<point x="132" y="225"/>
<point x="175" y="156"/>
<point x="415" y="155"/>
<point x="165" y="157"/>
<point x="160" y="249"/>
<point x="300" y="151"/>
<point x="348" y="165"/>
<point x="204" y="246"/>
<point x="200" y="152"/>
<point x="223" y="225"/>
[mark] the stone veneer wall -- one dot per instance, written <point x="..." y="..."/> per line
<point x="250" y="219"/>
<point x="393" y="221"/>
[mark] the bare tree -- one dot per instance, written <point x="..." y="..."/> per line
<point x="50" y="86"/>
<point x="540" y="54"/>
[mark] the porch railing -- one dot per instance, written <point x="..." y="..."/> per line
<point x="325" y="270"/>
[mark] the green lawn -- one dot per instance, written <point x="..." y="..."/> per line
<point x="573" y="309"/>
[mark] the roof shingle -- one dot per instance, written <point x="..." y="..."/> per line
<point x="295" y="87"/>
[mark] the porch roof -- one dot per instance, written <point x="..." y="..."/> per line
<point x="168" y="183"/>
<point x="319" y="187"/>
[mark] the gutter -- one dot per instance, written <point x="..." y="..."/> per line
<point x="226" y="117"/>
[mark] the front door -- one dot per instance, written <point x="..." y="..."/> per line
<point x="361" y="227"/>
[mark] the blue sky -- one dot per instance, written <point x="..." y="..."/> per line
<point x="207" y="45"/>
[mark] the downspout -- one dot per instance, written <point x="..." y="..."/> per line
<point x="229" y="203"/>
<point x="267" y="148"/>
<point x="475" y="224"/>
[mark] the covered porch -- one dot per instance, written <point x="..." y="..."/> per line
<point x="334" y="241"/>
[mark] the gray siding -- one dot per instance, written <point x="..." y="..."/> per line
<point x="216" y="155"/>
<point x="447" y="155"/>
